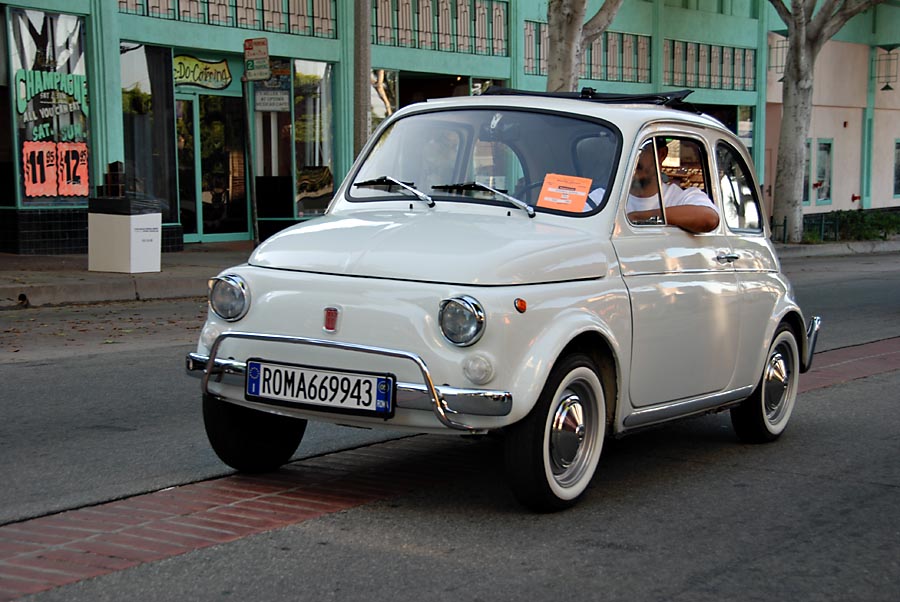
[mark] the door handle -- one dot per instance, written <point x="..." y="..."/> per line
<point x="727" y="257"/>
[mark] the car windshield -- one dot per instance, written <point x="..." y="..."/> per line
<point x="514" y="158"/>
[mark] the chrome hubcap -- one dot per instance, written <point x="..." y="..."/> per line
<point x="777" y="383"/>
<point x="567" y="433"/>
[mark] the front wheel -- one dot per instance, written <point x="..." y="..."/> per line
<point x="552" y="454"/>
<point x="250" y="440"/>
<point x="764" y="415"/>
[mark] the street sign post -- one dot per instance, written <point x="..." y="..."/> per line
<point x="256" y="68"/>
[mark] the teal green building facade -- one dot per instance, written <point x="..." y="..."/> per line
<point x="144" y="100"/>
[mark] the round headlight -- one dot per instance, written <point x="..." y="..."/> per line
<point x="229" y="297"/>
<point x="462" y="320"/>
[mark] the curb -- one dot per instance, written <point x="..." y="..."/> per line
<point x="123" y="289"/>
<point x="863" y="247"/>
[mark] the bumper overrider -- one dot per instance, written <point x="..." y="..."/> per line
<point x="447" y="403"/>
<point x="812" y="334"/>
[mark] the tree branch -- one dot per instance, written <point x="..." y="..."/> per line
<point x="782" y="11"/>
<point x="826" y="25"/>
<point x="597" y="24"/>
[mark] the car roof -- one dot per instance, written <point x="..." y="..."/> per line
<point x="625" y="115"/>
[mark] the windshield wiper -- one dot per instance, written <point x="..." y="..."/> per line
<point x="484" y="187"/>
<point x="389" y="181"/>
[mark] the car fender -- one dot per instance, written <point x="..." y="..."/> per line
<point x="550" y="344"/>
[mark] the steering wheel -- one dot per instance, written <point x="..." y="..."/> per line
<point x="523" y="192"/>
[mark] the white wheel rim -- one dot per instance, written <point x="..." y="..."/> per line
<point x="574" y="433"/>
<point x="779" y="383"/>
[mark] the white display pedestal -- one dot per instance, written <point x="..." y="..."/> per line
<point x="124" y="243"/>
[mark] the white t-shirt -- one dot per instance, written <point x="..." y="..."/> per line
<point x="673" y="196"/>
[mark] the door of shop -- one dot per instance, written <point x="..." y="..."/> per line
<point x="212" y="181"/>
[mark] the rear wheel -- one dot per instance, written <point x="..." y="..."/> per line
<point x="249" y="440"/>
<point x="552" y="454"/>
<point x="764" y="415"/>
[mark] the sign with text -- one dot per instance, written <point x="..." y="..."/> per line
<point x="564" y="193"/>
<point x="191" y="71"/>
<point x="256" y="59"/>
<point x="274" y="94"/>
<point x="55" y="169"/>
<point x="51" y="106"/>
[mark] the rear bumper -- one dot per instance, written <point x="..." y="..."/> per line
<point x="447" y="403"/>
<point x="812" y="334"/>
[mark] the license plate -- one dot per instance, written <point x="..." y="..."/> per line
<point x="360" y="393"/>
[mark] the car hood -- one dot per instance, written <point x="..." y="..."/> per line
<point x="438" y="246"/>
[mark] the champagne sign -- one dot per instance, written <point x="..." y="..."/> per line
<point x="50" y="89"/>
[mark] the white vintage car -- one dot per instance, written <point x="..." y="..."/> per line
<point x="482" y="269"/>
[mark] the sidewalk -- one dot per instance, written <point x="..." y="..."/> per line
<point x="65" y="279"/>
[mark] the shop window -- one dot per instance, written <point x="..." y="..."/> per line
<point x="7" y="173"/>
<point x="806" y="172"/>
<point x="897" y="168"/>
<point x="50" y="107"/>
<point x="148" y="114"/>
<point x="313" y="136"/>
<point x="822" y="183"/>
<point x="274" y="135"/>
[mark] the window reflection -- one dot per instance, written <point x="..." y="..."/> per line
<point x="739" y="200"/>
<point x="823" y="172"/>
<point x="313" y="136"/>
<point x="148" y="113"/>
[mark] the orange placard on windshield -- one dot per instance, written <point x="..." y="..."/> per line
<point x="564" y="193"/>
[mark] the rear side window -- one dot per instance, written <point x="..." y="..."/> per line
<point x="740" y="201"/>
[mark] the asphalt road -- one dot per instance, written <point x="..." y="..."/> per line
<point x="683" y="513"/>
<point x="96" y="406"/>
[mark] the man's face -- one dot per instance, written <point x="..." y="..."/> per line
<point x="644" y="179"/>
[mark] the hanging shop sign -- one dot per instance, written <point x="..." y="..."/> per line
<point x="192" y="71"/>
<point x="51" y="106"/>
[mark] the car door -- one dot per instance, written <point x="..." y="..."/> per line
<point x="755" y="264"/>
<point x="684" y="294"/>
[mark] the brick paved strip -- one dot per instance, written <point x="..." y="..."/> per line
<point x="51" y="551"/>
<point x="849" y="363"/>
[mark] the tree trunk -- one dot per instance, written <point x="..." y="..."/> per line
<point x="565" y="23"/>
<point x="810" y="25"/>
<point x="792" y="147"/>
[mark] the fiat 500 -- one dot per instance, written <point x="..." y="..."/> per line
<point x="518" y="264"/>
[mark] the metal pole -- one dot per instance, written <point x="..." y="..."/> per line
<point x="251" y="159"/>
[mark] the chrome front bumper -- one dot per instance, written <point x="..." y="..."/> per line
<point x="445" y="402"/>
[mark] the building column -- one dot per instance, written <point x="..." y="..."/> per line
<point x="656" y="46"/>
<point x="344" y="85"/>
<point x="104" y="87"/>
<point x="865" y="143"/>
<point x="762" y="91"/>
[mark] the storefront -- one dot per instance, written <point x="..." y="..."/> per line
<point x="142" y="100"/>
<point x="45" y="161"/>
<point x="186" y="138"/>
<point x="177" y="128"/>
